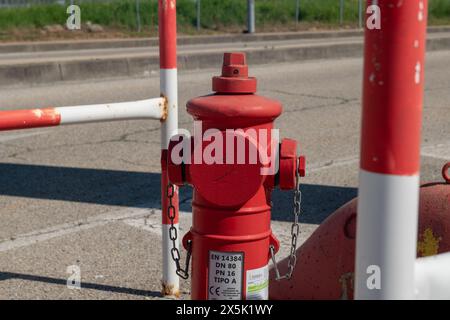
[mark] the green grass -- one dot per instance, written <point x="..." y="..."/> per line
<point x="439" y="11"/>
<point x="216" y="14"/>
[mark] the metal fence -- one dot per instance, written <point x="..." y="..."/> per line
<point x="24" y="3"/>
<point x="28" y="3"/>
<point x="300" y="5"/>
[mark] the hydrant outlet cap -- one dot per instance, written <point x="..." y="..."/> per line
<point x="234" y="78"/>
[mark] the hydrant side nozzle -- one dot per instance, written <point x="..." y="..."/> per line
<point x="288" y="164"/>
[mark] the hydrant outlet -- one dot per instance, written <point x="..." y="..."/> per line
<point x="234" y="78"/>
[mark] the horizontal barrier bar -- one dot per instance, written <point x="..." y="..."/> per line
<point x="48" y="117"/>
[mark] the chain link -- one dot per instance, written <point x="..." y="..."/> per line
<point x="173" y="236"/>
<point x="295" y="230"/>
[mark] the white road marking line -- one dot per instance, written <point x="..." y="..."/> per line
<point x="17" y="136"/>
<point x="37" y="236"/>
<point x="437" y="151"/>
<point x="153" y="225"/>
<point x="331" y="164"/>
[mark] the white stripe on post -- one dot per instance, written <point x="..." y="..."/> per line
<point x="169" y="89"/>
<point x="386" y="228"/>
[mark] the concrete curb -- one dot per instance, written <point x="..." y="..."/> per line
<point x="182" y="40"/>
<point x="48" y="72"/>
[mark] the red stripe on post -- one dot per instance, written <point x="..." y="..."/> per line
<point x="393" y="89"/>
<point x="24" y="119"/>
<point x="167" y="34"/>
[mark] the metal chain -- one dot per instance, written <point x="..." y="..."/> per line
<point x="295" y="230"/>
<point x="173" y="235"/>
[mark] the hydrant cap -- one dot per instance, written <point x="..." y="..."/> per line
<point x="234" y="78"/>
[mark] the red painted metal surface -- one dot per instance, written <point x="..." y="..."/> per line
<point x="24" y="119"/>
<point x="164" y="199"/>
<point x="391" y="143"/>
<point x="325" y="262"/>
<point x="446" y="173"/>
<point x="302" y="166"/>
<point x="234" y="78"/>
<point x="167" y="34"/>
<point x="288" y="164"/>
<point x="231" y="200"/>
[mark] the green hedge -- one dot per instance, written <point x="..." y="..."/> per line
<point x="216" y="14"/>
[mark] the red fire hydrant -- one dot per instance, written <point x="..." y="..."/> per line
<point x="233" y="162"/>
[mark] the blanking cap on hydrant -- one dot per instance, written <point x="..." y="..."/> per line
<point x="234" y="78"/>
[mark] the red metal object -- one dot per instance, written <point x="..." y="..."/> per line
<point x="325" y="262"/>
<point x="164" y="183"/>
<point x="167" y="34"/>
<point x="231" y="200"/>
<point x="234" y="78"/>
<point x="24" y="119"/>
<point x="446" y="173"/>
<point x="393" y="89"/>
<point x="302" y="166"/>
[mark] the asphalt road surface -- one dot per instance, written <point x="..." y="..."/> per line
<point x="88" y="195"/>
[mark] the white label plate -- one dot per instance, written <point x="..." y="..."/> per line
<point x="258" y="284"/>
<point x="225" y="275"/>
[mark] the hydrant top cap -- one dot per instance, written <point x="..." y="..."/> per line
<point x="234" y="78"/>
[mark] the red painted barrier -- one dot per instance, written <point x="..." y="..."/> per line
<point x="24" y="119"/>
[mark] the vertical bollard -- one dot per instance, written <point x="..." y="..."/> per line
<point x="251" y="16"/>
<point x="360" y="13"/>
<point x="169" y="127"/>
<point x="138" y="16"/>
<point x="199" y="8"/>
<point x="390" y="151"/>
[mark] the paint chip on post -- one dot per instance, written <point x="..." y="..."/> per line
<point x="418" y="73"/>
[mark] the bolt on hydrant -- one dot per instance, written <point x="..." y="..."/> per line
<point x="233" y="162"/>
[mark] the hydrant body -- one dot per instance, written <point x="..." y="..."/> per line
<point x="233" y="166"/>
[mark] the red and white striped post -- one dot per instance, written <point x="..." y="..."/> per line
<point x="390" y="151"/>
<point x="169" y="90"/>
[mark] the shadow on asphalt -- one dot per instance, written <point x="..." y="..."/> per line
<point x="93" y="286"/>
<point x="132" y="189"/>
